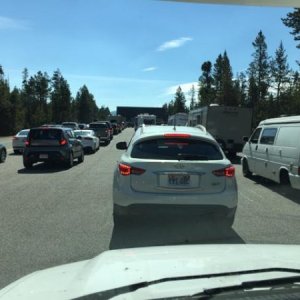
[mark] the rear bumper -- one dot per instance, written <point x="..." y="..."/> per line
<point x="124" y="196"/>
<point x="154" y="210"/>
<point x="37" y="156"/>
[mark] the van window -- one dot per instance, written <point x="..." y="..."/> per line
<point x="255" y="136"/>
<point x="288" y="137"/>
<point x="268" y="136"/>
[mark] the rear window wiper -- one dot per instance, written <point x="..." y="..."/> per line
<point x="188" y="156"/>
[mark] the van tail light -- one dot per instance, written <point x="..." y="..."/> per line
<point x="127" y="170"/>
<point x="63" y="142"/>
<point x="227" y="172"/>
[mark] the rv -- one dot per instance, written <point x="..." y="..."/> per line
<point x="227" y="124"/>
<point x="179" y="119"/>
<point x="144" y="119"/>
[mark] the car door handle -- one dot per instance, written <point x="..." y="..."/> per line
<point x="267" y="150"/>
<point x="280" y="152"/>
<point x="256" y="147"/>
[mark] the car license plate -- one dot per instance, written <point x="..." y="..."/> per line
<point x="43" y="156"/>
<point x="179" y="179"/>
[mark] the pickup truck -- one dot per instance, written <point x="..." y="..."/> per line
<point x="102" y="131"/>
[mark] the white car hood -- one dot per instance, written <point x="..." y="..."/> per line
<point x="119" y="268"/>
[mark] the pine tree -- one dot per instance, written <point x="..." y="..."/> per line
<point x="179" y="101"/>
<point x="60" y="98"/>
<point x="206" y="93"/>
<point x="5" y="106"/>
<point x="292" y="21"/>
<point x="192" y="95"/>
<point x="259" y="69"/>
<point x="280" y="70"/>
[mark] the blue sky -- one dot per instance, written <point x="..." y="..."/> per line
<point x="132" y="52"/>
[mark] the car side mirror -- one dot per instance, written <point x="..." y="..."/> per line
<point x="245" y="138"/>
<point x="121" y="146"/>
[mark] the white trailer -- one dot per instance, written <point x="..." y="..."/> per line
<point x="179" y="119"/>
<point x="227" y="124"/>
<point x="146" y="119"/>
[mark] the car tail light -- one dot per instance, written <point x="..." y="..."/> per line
<point x="177" y="135"/>
<point x="227" y="172"/>
<point x="27" y="143"/>
<point x="127" y="170"/>
<point x="63" y="142"/>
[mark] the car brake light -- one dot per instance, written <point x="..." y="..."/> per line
<point x="177" y="135"/>
<point x="227" y="172"/>
<point x="63" y="142"/>
<point x="127" y="170"/>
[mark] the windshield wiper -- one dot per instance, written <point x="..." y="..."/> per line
<point x="188" y="156"/>
<point x="136" y="286"/>
<point x="285" y="282"/>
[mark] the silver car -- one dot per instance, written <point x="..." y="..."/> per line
<point x="174" y="170"/>
<point x="89" y="140"/>
<point x="18" y="141"/>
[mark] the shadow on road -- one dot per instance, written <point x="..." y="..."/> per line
<point x="285" y="191"/>
<point x="145" y="233"/>
<point x="45" y="168"/>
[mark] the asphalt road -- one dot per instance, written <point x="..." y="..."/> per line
<point x="51" y="216"/>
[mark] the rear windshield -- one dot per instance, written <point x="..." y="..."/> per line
<point x="45" y="134"/>
<point x="83" y="133"/>
<point x="23" y="132"/>
<point x="176" y="149"/>
<point x="99" y="125"/>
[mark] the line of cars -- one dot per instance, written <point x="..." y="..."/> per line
<point x="60" y="142"/>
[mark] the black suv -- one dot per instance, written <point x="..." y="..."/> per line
<point x="48" y="144"/>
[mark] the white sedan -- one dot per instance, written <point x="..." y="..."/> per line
<point x="89" y="140"/>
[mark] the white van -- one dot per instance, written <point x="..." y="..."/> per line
<point x="273" y="151"/>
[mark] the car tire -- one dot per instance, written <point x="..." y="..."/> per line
<point x="70" y="163"/>
<point x="81" y="157"/>
<point x="284" y="178"/>
<point x="2" y="156"/>
<point x="27" y="164"/>
<point x="246" y="172"/>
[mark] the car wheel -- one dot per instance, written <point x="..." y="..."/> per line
<point x="81" y="157"/>
<point x="71" y="161"/>
<point x="27" y="164"/>
<point x="284" y="178"/>
<point x="246" y="172"/>
<point x="2" y="156"/>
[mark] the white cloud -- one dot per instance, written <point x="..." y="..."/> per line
<point x="150" y="69"/>
<point x="185" y="87"/>
<point x="174" y="43"/>
<point x="9" y="23"/>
